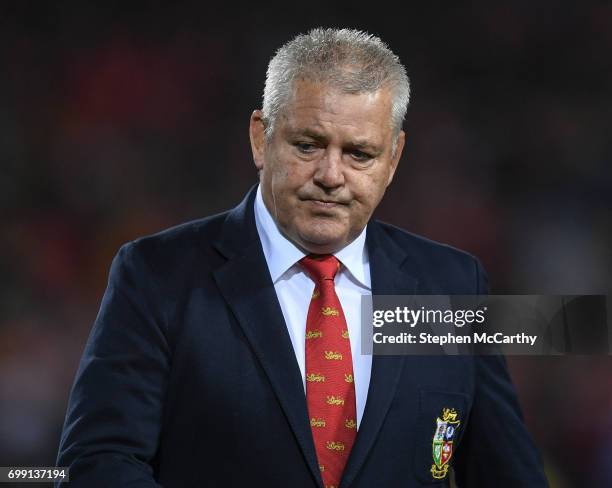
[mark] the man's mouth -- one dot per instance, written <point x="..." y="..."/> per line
<point x="325" y="203"/>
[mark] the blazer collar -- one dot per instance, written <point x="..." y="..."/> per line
<point x="246" y="285"/>
<point x="239" y="230"/>
<point x="387" y="263"/>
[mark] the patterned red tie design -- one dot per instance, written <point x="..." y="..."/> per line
<point x="330" y="387"/>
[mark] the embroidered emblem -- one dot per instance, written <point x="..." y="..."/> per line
<point x="333" y="355"/>
<point x="348" y="378"/>
<point x="316" y="377"/>
<point x="442" y="445"/>
<point x="317" y="422"/>
<point x="313" y="334"/>
<point x="330" y="311"/>
<point x="335" y="446"/>
<point x="345" y="334"/>
<point x="315" y="294"/>
<point x="350" y="424"/>
<point x="334" y="400"/>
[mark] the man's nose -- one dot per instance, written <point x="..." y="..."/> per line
<point x="329" y="172"/>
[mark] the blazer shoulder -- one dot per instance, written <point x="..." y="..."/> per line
<point x="194" y="232"/>
<point x="409" y="240"/>
<point x="175" y="251"/>
<point x="435" y="262"/>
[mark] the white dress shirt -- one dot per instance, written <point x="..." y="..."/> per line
<point x="294" y="289"/>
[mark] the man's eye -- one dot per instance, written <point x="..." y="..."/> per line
<point x="305" y="147"/>
<point x="360" y="156"/>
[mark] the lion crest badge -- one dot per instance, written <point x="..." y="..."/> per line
<point x="442" y="445"/>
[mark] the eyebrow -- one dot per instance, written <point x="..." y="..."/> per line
<point x="359" y="144"/>
<point x="365" y="146"/>
<point x="313" y="134"/>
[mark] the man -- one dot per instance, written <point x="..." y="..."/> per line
<point x="226" y="351"/>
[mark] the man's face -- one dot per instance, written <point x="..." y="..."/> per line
<point x="327" y="164"/>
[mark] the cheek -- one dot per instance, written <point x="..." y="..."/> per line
<point x="283" y="184"/>
<point x="368" y="188"/>
<point x="288" y="177"/>
<point x="275" y="172"/>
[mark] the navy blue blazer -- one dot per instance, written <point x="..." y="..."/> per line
<point x="189" y="379"/>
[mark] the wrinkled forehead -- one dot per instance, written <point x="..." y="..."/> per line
<point x="321" y="106"/>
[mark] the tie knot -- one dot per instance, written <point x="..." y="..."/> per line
<point x="320" y="266"/>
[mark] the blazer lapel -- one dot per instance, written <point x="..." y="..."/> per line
<point x="386" y="259"/>
<point x="245" y="283"/>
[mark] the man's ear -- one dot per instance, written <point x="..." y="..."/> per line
<point x="258" y="138"/>
<point x="401" y="139"/>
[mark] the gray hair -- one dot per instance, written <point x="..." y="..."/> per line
<point x="350" y="60"/>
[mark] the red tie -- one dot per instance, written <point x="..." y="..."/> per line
<point x="330" y="387"/>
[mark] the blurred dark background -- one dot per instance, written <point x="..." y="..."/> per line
<point x="120" y="121"/>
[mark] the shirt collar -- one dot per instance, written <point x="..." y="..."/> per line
<point x="281" y="254"/>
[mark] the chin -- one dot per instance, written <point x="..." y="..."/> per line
<point x="322" y="243"/>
